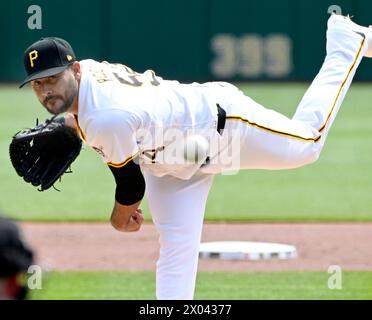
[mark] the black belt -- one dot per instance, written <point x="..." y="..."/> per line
<point x="221" y="119"/>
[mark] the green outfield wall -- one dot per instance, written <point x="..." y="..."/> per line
<point x="234" y="40"/>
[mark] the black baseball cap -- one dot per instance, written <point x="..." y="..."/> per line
<point x="47" y="57"/>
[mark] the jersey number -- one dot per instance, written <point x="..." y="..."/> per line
<point x="127" y="76"/>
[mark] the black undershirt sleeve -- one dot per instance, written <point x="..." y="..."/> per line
<point x="130" y="183"/>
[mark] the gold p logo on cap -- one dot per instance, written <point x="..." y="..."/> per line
<point x="33" y="56"/>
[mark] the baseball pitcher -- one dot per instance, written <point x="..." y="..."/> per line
<point x="138" y="122"/>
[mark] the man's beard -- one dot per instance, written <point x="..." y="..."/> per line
<point x="67" y="102"/>
<point x="55" y="111"/>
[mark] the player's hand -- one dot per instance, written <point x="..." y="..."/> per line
<point x="135" y="221"/>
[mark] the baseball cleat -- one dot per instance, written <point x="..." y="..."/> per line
<point x="362" y="31"/>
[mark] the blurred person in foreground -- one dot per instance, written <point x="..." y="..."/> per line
<point x="15" y="259"/>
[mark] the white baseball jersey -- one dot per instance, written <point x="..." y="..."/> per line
<point x="124" y="114"/>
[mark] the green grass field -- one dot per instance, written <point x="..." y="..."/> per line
<point x="216" y="285"/>
<point x="336" y="188"/>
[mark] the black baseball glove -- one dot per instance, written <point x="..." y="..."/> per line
<point x="41" y="155"/>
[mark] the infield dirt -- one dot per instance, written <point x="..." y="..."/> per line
<point x="98" y="247"/>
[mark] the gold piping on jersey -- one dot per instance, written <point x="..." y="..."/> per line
<point x="316" y="139"/>
<point x="343" y="83"/>
<point x="122" y="164"/>
<point x="82" y="135"/>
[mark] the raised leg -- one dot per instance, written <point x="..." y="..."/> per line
<point x="270" y="140"/>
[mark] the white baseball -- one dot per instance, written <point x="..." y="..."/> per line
<point x="196" y="148"/>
